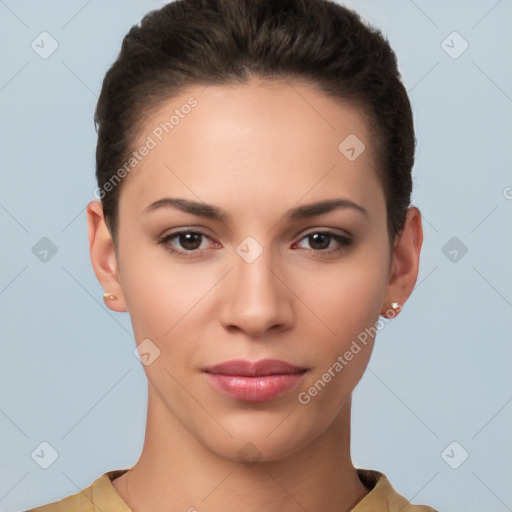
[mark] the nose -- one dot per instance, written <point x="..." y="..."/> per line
<point x="256" y="299"/>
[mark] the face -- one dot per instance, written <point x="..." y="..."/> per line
<point x="261" y="282"/>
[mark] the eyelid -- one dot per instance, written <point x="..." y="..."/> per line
<point x="337" y="231"/>
<point x="183" y="231"/>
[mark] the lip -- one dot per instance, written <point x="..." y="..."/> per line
<point x="242" y="367"/>
<point x="258" y="381"/>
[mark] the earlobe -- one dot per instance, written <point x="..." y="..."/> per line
<point x="393" y="310"/>
<point x="103" y="257"/>
<point x="406" y="257"/>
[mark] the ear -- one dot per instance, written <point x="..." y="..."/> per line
<point x="103" y="257"/>
<point x="405" y="262"/>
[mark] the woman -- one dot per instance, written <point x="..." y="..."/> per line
<point x="254" y="181"/>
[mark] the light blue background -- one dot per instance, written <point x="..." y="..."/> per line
<point x="441" y="372"/>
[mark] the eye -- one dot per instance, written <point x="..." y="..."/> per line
<point x="188" y="239"/>
<point x="320" y="241"/>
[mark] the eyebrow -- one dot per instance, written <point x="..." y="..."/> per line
<point x="215" y="213"/>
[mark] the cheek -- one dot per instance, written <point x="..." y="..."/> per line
<point x="342" y="343"/>
<point x="345" y="299"/>
<point x="156" y="293"/>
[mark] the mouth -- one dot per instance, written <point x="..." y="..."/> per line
<point x="264" y="367"/>
<point x="258" y="381"/>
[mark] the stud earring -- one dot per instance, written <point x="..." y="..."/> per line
<point x="109" y="296"/>
<point x="395" y="309"/>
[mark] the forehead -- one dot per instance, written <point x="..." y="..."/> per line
<point x="266" y="139"/>
<point x="271" y="107"/>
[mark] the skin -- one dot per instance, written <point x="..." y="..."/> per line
<point x="255" y="150"/>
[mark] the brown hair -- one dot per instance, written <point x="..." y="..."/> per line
<point x="190" y="42"/>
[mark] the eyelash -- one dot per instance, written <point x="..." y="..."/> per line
<point x="344" y="241"/>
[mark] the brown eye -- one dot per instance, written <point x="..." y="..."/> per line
<point x="321" y="240"/>
<point x="188" y="242"/>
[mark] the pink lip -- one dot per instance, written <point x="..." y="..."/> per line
<point x="254" y="382"/>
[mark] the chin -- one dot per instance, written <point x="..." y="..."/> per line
<point x="270" y="440"/>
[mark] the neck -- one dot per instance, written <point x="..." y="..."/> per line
<point x="176" y="473"/>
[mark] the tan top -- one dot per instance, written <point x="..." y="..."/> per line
<point x="101" y="496"/>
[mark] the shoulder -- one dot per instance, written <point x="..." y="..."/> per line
<point x="100" y="496"/>
<point x="383" y="496"/>
<point x="78" y="502"/>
